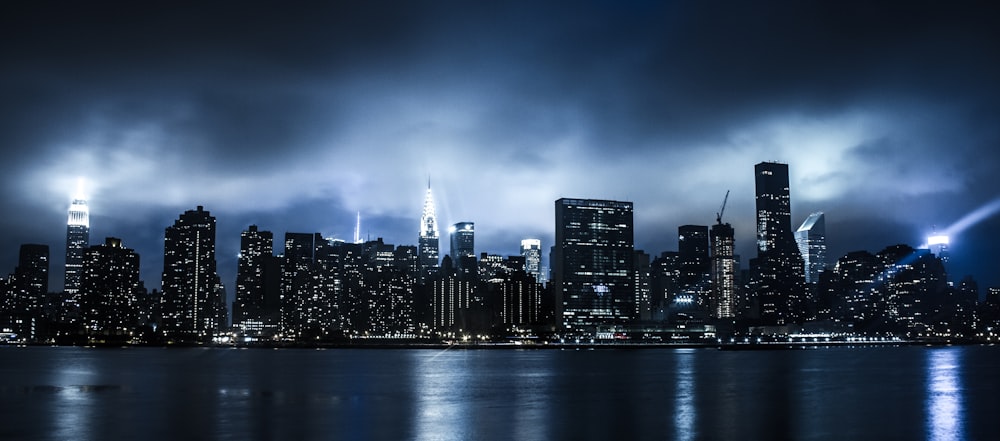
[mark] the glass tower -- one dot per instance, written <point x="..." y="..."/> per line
<point x="531" y="250"/>
<point x="593" y="264"/>
<point x="777" y="274"/>
<point x="811" y="240"/>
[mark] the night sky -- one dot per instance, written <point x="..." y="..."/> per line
<point x="297" y="116"/>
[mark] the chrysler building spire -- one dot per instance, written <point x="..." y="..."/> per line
<point x="428" y="240"/>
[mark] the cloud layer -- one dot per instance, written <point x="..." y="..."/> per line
<point x="298" y="118"/>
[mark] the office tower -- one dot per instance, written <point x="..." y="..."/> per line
<point x="777" y="280"/>
<point x="258" y="283"/>
<point x="31" y="277"/>
<point x="77" y="238"/>
<point x="192" y="303"/>
<point x="463" y="239"/>
<point x="109" y="289"/>
<point x="531" y="250"/>
<point x="643" y="272"/>
<point x="452" y="295"/>
<point x="811" y="240"/>
<point x="386" y="295"/>
<point x="514" y="293"/>
<point x="724" y="267"/>
<point x="427" y="244"/>
<point x="593" y="264"/>
<point x="695" y="266"/>
<point x="309" y="307"/>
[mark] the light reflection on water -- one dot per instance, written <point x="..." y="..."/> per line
<point x="685" y="412"/>
<point x="945" y="409"/>
<point x="819" y="394"/>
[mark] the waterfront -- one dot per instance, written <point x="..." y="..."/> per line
<point x="910" y="392"/>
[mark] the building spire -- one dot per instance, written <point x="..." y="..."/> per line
<point x="357" y="230"/>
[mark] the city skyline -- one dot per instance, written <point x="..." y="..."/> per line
<point x="297" y="122"/>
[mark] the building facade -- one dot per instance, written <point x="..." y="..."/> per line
<point x="593" y="264"/>
<point x="724" y="266"/>
<point x="192" y="304"/>
<point x="77" y="239"/>
<point x="777" y="274"/>
<point x="811" y="240"/>
<point x="531" y="250"/>
<point x="428" y="242"/>
<point x="110" y="289"/>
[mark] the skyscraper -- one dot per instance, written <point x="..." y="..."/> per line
<point x="811" y="240"/>
<point x="463" y="240"/>
<point x="258" y="283"/>
<point x="531" y="250"/>
<point x="77" y="238"/>
<point x="695" y="266"/>
<point x="193" y="307"/>
<point x="593" y="264"/>
<point x="777" y="273"/>
<point x="722" y="302"/>
<point x="109" y="289"/>
<point x="427" y="251"/>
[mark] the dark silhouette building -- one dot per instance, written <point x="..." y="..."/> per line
<point x="110" y="289"/>
<point x="257" y="306"/>
<point x="593" y="264"/>
<point x="193" y="306"/>
<point x="724" y="267"/>
<point x="777" y="274"/>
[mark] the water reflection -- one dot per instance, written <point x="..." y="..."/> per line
<point x="685" y="413"/>
<point x="945" y="410"/>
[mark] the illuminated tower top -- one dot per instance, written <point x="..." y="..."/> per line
<point x="428" y="220"/>
<point x="79" y="212"/>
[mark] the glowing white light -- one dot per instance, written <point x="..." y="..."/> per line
<point x="937" y="240"/>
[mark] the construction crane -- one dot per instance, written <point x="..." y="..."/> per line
<point x="718" y="216"/>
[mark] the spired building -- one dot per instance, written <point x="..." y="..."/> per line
<point x="77" y="238"/>
<point x="777" y="278"/>
<point x="427" y="244"/>
<point x="192" y="302"/>
<point x="592" y="264"/>
<point x="811" y="240"/>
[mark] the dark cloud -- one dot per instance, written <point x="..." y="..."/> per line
<point x="296" y="117"/>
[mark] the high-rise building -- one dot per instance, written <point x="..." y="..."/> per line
<point x="531" y="250"/>
<point x="724" y="268"/>
<point x="109" y="289"/>
<point x="309" y="305"/>
<point x="695" y="266"/>
<point x="463" y="240"/>
<point x="258" y="283"/>
<point x="77" y="238"/>
<point x="593" y="264"/>
<point x="32" y="275"/>
<point x="811" y="240"/>
<point x="428" y="243"/>
<point x="193" y="306"/>
<point x="452" y="295"/>
<point x="777" y="280"/>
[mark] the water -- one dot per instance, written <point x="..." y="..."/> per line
<point x="948" y="393"/>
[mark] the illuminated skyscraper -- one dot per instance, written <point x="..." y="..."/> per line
<point x="463" y="242"/>
<point x="593" y="264"/>
<point x="777" y="278"/>
<point x="722" y="302"/>
<point x="193" y="307"/>
<point x="811" y="240"/>
<point x="531" y="250"/>
<point x="428" y="244"/>
<point x="77" y="238"/>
